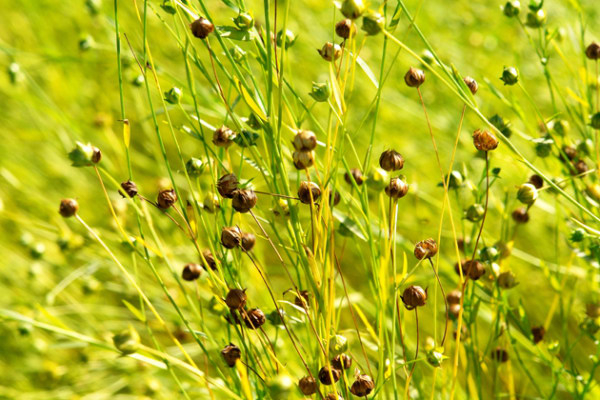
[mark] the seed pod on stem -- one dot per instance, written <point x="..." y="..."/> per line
<point x="231" y="353"/>
<point x="254" y="318"/>
<point x="397" y="188"/>
<point x="328" y="375"/>
<point x="231" y="237"/>
<point x="363" y="385"/>
<point x="354" y="175"/>
<point x="391" y="160"/>
<point x="191" y="272"/>
<point x="236" y="299"/>
<point x="130" y="188"/>
<point x="345" y="28"/>
<point x="484" y="140"/>
<point x="303" y="159"/>
<point x="248" y="241"/>
<point x="471" y="84"/>
<point x="330" y="51"/>
<point x="592" y="52"/>
<point x="308" y="190"/>
<point x="414" y="77"/>
<point x="308" y="385"/>
<point x="68" y="207"/>
<point x="414" y="296"/>
<point x="243" y="200"/>
<point x="341" y="362"/>
<point x="227" y="185"/>
<point x="223" y="137"/>
<point x="426" y="249"/>
<point x="201" y="28"/>
<point x="166" y="198"/>
<point x="305" y="140"/>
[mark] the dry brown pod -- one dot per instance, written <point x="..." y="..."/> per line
<point x="166" y="198"/>
<point x="484" y="140"/>
<point x="210" y="260"/>
<point x="309" y="192"/>
<point x="592" y="52"/>
<point x="302" y="300"/>
<point x="231" y="353"/>
<point x="231" y="237"/>
<point x="68" y="207"/>
<point x="345" y="28"/>
<point x="473" y="269"/>
<point x="520" y="215"/>
<point x="130" y="188"/>
<point x="191" y="272"/>
<point x="243" y="200"/>
<point x="328" y="375"/>
<point x="202" y="27"/>
<point x="305" y="140"/>
<point x="254" y="318"/>
<point x="414" y="296"/>
<point x="333" y="396"/>
<point x="426" y="249"/>
<point x="303" y="159"/>
<point x="538" y="333"/>
<point x="454" y="310"/>
<point x="363" y="386"/>
<point x="223" y="137"/>
<point x="454" y="297"/>
<point x="227" y="185"/>
<point x="341" y="361"/>
<point x="536" y="181"/>
<point x="334" y="198"/>
<point x="308" y="385"/>
<point x="391" y="160"/>
<point x="354" y="175"/>
<point x="471" y="84"/>
<point x="397" y="188"/>
<point x="236" y="299"/>
<point x="248" y="241"/>
<point x="414" y="77"/>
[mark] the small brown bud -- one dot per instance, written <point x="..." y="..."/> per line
<point x="520" y="215"/>
<point x="330" y="51"/>
<point x="68" y="207"/>
<point x="593" y="51"/>
<point x="580" y="167"/>
<point x="328" y="376"/>
<point x="305" y="140"/>
<point x="191" y="272"/>
<point x="254" y="318"/>
<point x="471" y="84"/>
<point x="454" y="310"/>
<point x="303" y="159"/>
<point x="341" y="362"/>
<point x="166" y="198"/>
<point x="202" y="27"/>
<point x="130" y="188"/>
<point x="538" y="333"/>
<point x="426" y="249"/>
<point x="536" y="181"/>
<point x="231" y="353"/>
<point x="96" y="155"/>
<point x="391" y="160"/>
<point x="308" y="385"/>
<point x="226" y="185"/>
<point x="414" y="296"/>
<point x="397" y="188"/>
<point x="248" y="241"/>
<point x="223" y="137"/>
<point x="345" y="28"/>
<point x="454" y="297"/>
<point x="302" y="300"/>
<point x="210" y="260"/>
<point x="354" y="175"/>
<point x="309" y="192"/>
<point x="334" y="198"/>
<point x="473" y="269"/>
<point x="231" y="237"/>
<point x="236" y="299"/>
<point x="484" y="140"/>
<point x="362" y="386"/>
<point x="243" y="200"/>
<point x="500" y="355"/>
<point x="414" y="77"/>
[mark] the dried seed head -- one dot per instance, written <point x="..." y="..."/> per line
<point x="527" y="194"/>
<point x="202" y="27"/>
<point x="130" y="188"/>
<point x="210" y="260"/>
<point x="592" y="310"/>
<point x="473" y="269"/>
<point x="454" y="297"/>
<point x="191" y="272"/>
<point x="330" y="51"/>
<point x="305" y="140"/>
<point x="248" y="241"/>
<point x="68" y="207"/>
<point x="223" y="137"/>
<point x="166" y="198"/>
<point x="362" y="386"/>
<point x="227" y="185"/>
<point x="309" y="192"/>
<point x="328" y="376"/>
<point x="96" y="155"/>
<point x="484" y="140"/>
<point x="345" y="28"/>
<point x="397" y="188"/>
<point x="391" y="160"/>
<point x="426" y="249"/>
<point x="236" y="299"/>
<point x="471" y="84"/>
<point x="303" y="299"/>
<point x="414" y="77"/>
<point x="414" y="296"/>
<point x="510" y="76"/>
<point x="538" y="333"/>
<point x="354" y="175"/>
<point x="308" y="385"/>
<point x="231" y="237"/>
<point x="352" y="8"/>
<point x="254" y="318"/>
<point x="500" y="355"/>
<point x="593" y="51"/>
<point x="342" y="361"/>
<point x="536" y="181"/>
<point x="520" y="215"/>
<point x="231" y="353"/>
<point x="243" y="200"/>
<point x="303" y="159"/>
<point x="507" y="280"/>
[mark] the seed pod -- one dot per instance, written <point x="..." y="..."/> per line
<point x="305" y="140"/>
<point x="414" y="296"/>
<point x="503" y="126"/>
<point x="223" y="137"/>
<point x="328" y="376"/>
<point x="580" y="167"/>
<point x="484" y="140"/>
<point x="286" y="39"/>
<point x="127" y="341"/>
<point x="475" y="212"/>
<point x="507" y="280"/>
<point x="341" y="362"/>
<point x="454" y="297"/>
<point x="302" y="300"/>
<point x="570" y="152"/>
<point x="592" y="310"/>
<point x="166" y="198"/>
<point x="334" y="198"/>
<point x="426" y="249"/>
<point x="512" y="8"/>
<point x="173" y="95"/>
<point x="338" y="344"/>
<point x="211" y="203"/>
<point x="236" y="299"/>
<point x="593" y="51"/>
<point x="536" y="181"/>
<point x="84" y="155"/>
<point x="248" y="241"/>
<point x="191" y="272"/>
<point x="244" y="21"/>
<point x="362" y="386"/>
<point x="194" y="166"/>
<point x="391" y="160"/>
<point x="97" y="155"/>
<point x="231" y="353"/>
<point x="201" y="28"/>
<point x="373" y="23"/>
<point x="397" y="188"/>
<point x="303" y="159"/>
<point x="535" y="19"/>
<point x="243" y="200"/>
<point x="231" y="237"/>
<point x="227" y="185"/>
<point x="472" y="269"/>
<point x="454" y="310"/>
<point x="352" y="8"/>
<point x="510" y="76"/>
<point x="308" y="385"/>
<point x="210" y="260"/>
<point x="499" y="355"/>
<point x="538" y="333"/>
<point x="520" y="215"/>
<point x="527" y="194"/>
<point x="254" y="318"/>
<point x="321" y="92"/>
<point x="68" y="207"/>
<point x="309" y="191"/>
<point x="354" y="175"/>
<point x="330" y="51"/>
<point x="345" y="28"/>
<point x="595" y="121"/>
<point x="414" y="77"/>
<point x="471" y="84"/>
<point x="455" y="180"/>
<point x="130" y="188"/>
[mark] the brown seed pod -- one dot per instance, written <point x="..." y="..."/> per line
<point x="328" y="376"/>
<point x="330" y="51"/>
<point x="536" y="181"/>
<point x="243" y="200"/>
<point x="538" y="333"/>
<point x="303" y="159"/>
<point x="231" y="237"/>
<point x="96" y="155"/>
<point x="593" y="51"/>
<point x="254" y="318"/>
<point x="414" y="77"/>
<point x="414" y="296"/>
<point x="309" y="191"/>
<point x="248" y="241"/>
<point x="305" y="140"/>
<point x="227" y="185"/>
<point x="130" y="188"/>
<point x="520" y="215"/>
<point x="473" y="269"/>
<point x="210" y="260"/>
<point x="303" y="299"/>
<point x="308" y="385"/>
<point x="484" y="140"/>
<point x="570" y="152"/>
<point x="231" y="353"/>
<point x="397" y="188"/>
<point x="191" y="272"/>
<point x="580" y="168"/>
<point x="471" y="84"/>
<point x="391" y="160"/>
<point x="236" y="299"/>
<point x="345" y="28"/>
<point x="362" y="386"/>
<point x="202" y="27"/>
<point x="354" y="175"/>
<point x="223" y="137"/>
<point x="592" y="310"/>
<point x="454" y="297"/>
<point x="334" y="198"/>
<point x="68" y="207"/>
<point x="454" y="310"/>
<point x="500" y="355"/>
<point x="342" y="361"/>
<point x="166" y="198"/>
<point x="426" y="249"/>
